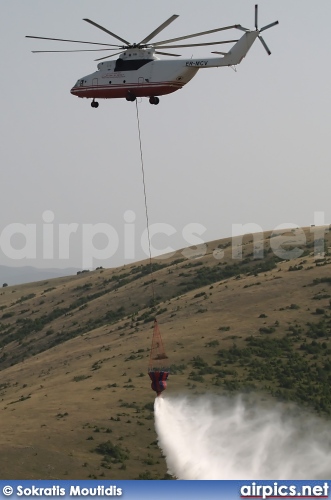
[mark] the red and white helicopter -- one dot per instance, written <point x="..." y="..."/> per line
<point x="138" y="72"/>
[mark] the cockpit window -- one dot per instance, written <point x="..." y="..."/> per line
<point x="126" y="65"/>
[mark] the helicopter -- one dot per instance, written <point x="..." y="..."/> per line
<point x="138" y="72"/>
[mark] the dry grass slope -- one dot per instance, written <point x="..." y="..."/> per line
<point x="75" y="396"/>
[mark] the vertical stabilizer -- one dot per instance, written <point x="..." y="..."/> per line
<point x="240" y="49"/>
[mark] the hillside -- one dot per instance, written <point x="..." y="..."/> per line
<point x="75" y="396"/>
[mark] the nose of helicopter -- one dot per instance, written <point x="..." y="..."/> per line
<point x="77" y="86"/>
<point x="73" y="91"/>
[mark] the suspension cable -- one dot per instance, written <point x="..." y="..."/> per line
<point x="146" y="208"/>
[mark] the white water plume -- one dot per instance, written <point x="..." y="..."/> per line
<point x="214" y="437"/>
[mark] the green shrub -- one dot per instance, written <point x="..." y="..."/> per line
<point x="112" y="452"/>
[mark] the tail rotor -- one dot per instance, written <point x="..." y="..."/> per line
<point x="259" y="30"/>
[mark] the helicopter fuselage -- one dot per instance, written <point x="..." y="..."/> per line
<point x="140" y="77"/>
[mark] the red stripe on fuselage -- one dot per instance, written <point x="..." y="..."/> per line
<point x="118" y="91"/>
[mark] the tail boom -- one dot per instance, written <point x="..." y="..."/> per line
<point x="231" y="58"/>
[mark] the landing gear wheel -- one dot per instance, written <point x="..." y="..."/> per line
<point x="130" y="97"/>
<point x="94" y="104"/>
<point x="154" y="100"/>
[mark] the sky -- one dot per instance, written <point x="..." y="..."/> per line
<point x="246" y="149"/>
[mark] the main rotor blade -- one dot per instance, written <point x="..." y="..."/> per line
<point x="269" y="26"/>
<point x="264" y="45"/>
<point x="256" y="16"/>
<point x="156" y="44"/>
<point x="106" y="31"/>
<point x="196" y="44"/>
<point x="222" y="53"/>
<point x="82" y="50"/>
<point x="110" y="55"/>
<point x="160" y="28"/>
<point x="167" y="54"/>
<point x="241" y="28"/>
<point x="75" y="41"/>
